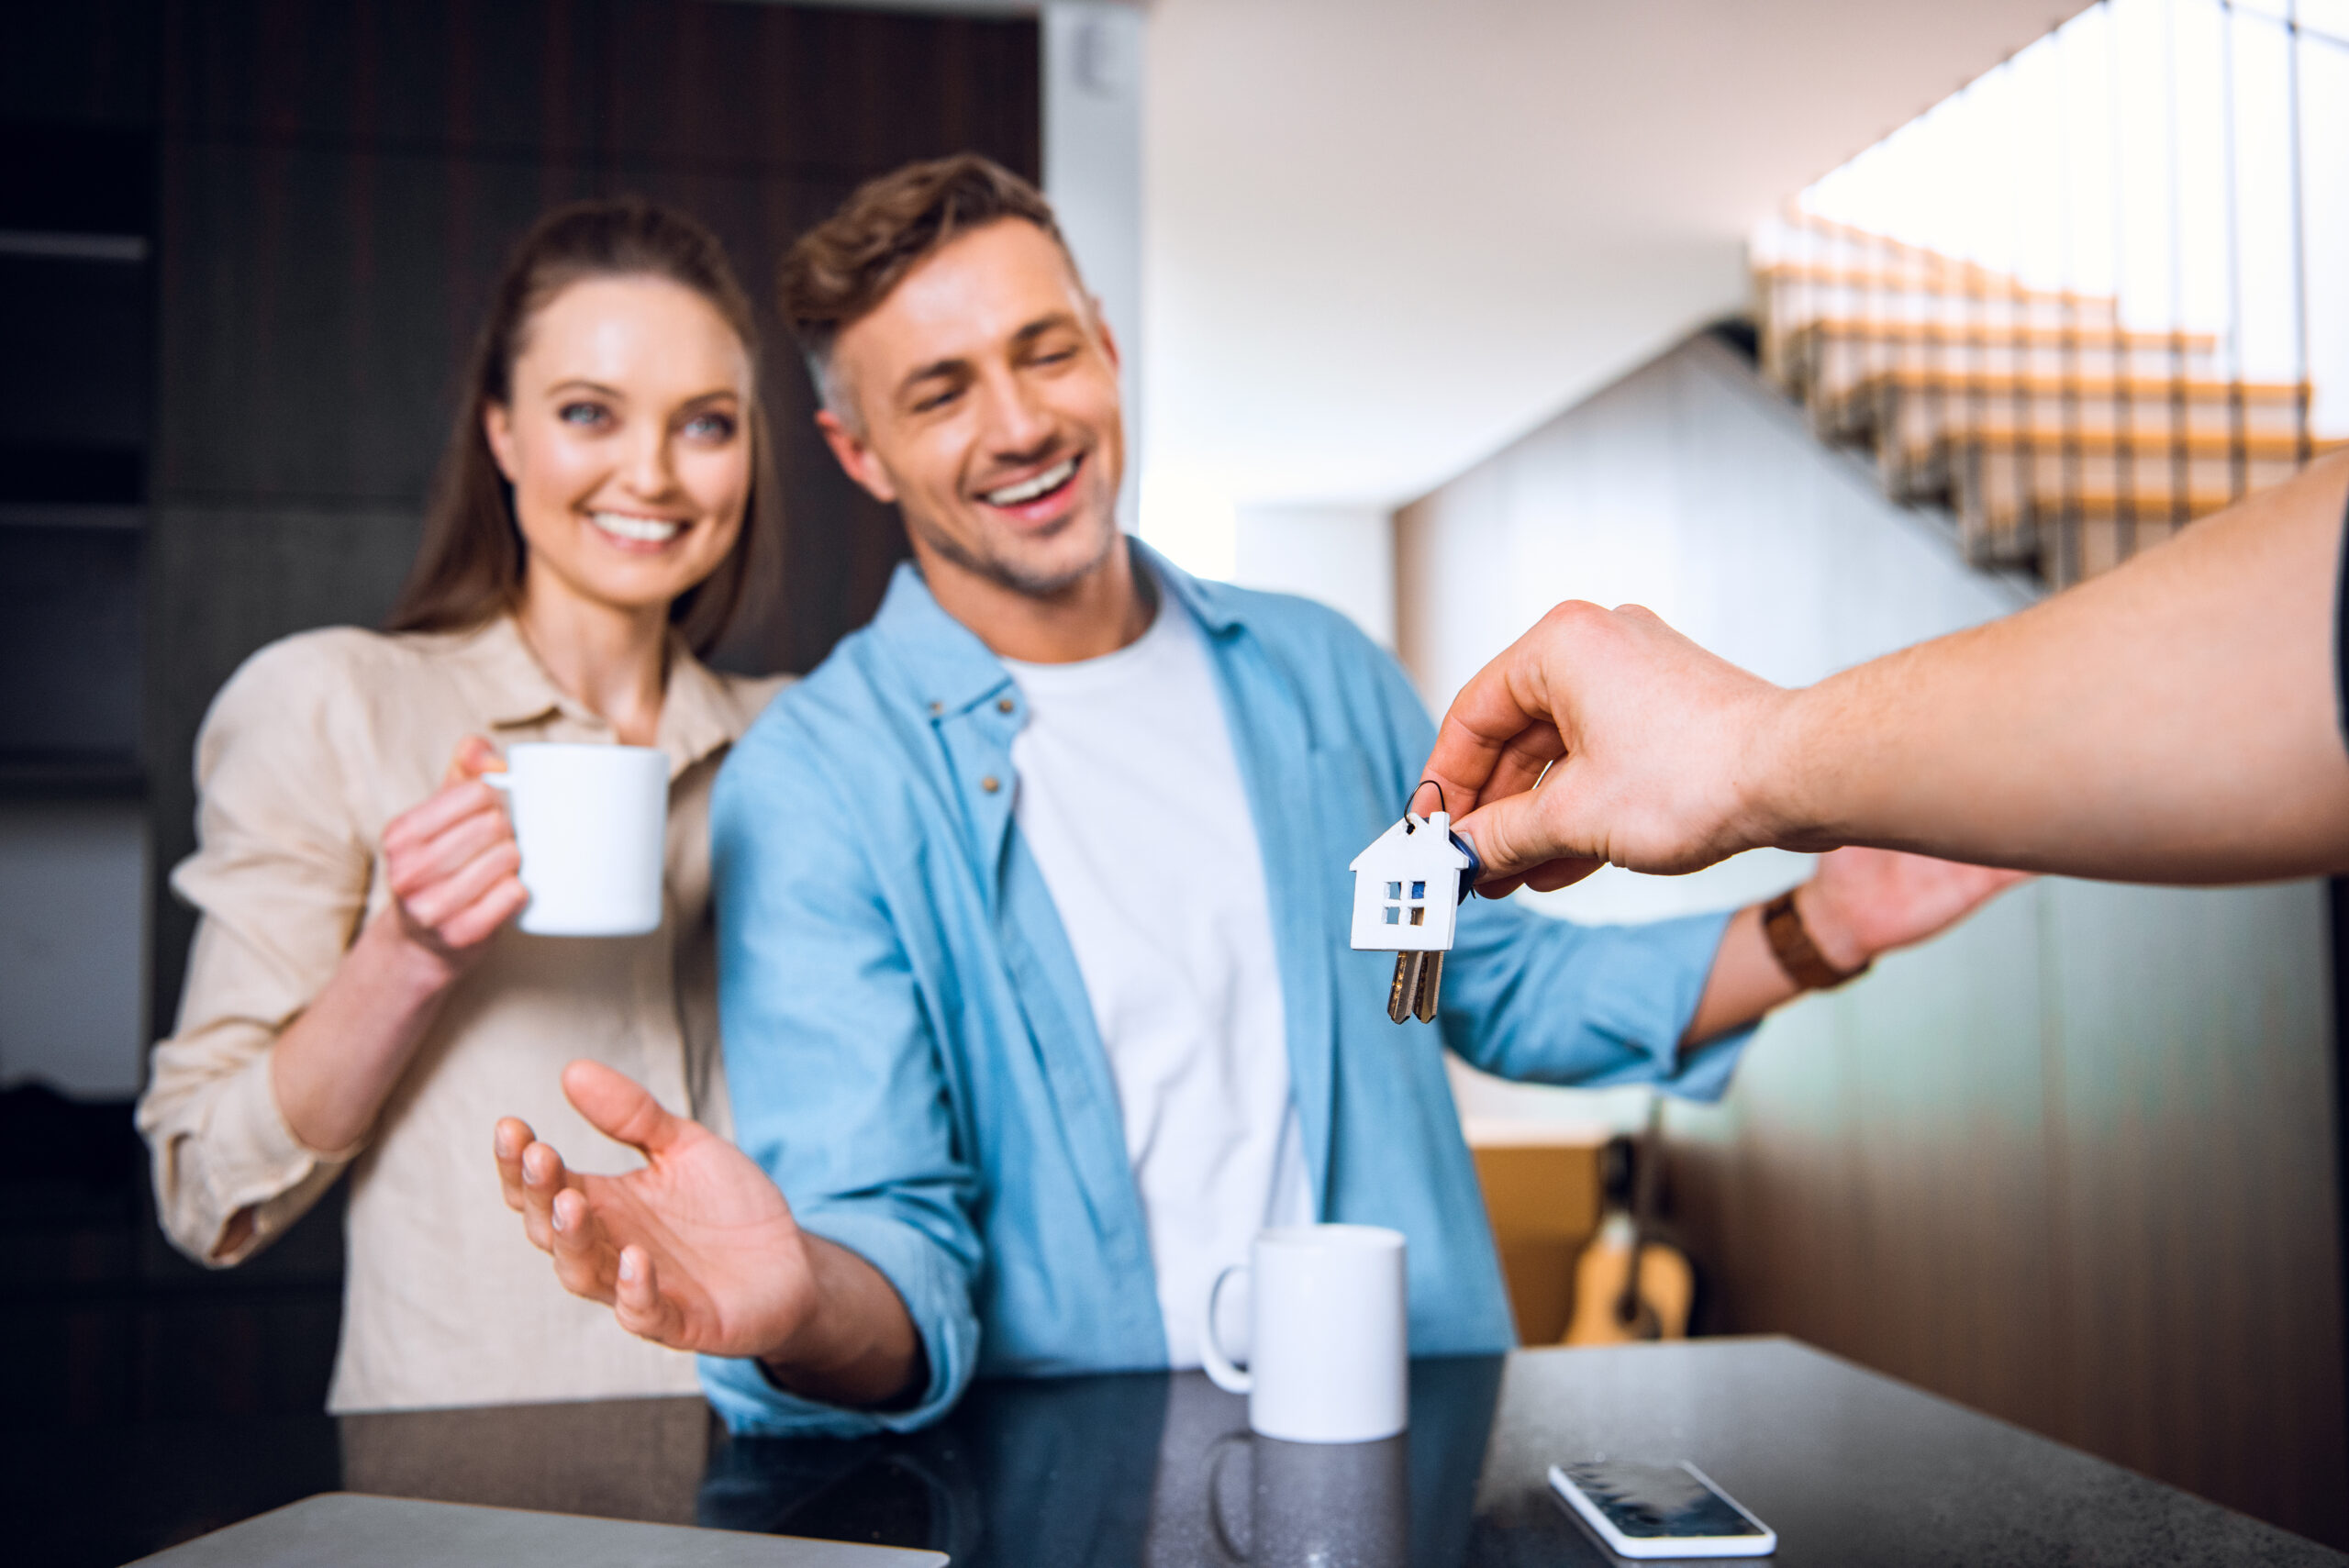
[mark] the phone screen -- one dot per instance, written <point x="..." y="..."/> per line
<point x="1657" y="1502"/>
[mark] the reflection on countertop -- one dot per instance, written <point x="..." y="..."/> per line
<point x="1148" y="1470"/>
<point x="1151" y="1471"/>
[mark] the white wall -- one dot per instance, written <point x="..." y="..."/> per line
<point x="1385" y="236"/>
<point x="73" y="946"/>
<point x="1655" y="492"/>
<point x="1092" y="106"/>
<point x="1343" y="556"/>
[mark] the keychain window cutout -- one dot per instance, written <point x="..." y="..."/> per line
<point x="1393" y="875"/>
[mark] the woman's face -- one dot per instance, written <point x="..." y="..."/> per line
<point x="627" y="442"/>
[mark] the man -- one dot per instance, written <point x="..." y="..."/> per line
<point x="2178" y="719"/>
<point x="1034" y="909"/>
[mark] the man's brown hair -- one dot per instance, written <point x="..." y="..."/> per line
<point x="842" y="269"/>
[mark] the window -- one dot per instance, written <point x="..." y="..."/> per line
<point x="1419" y="914"/>
<point x="1418" y="890"/>
<point x="1394" y="890"/>
<point x="1394" y="914"/>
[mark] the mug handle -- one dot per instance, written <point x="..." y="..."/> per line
<point x="1221" y="1371"/>
<point x="1222" y="1451"/>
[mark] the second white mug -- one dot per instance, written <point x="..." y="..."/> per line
<point x="1329" y="1342"/>
<point x="593" y="824"/>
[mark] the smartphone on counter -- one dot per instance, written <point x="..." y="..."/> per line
<point x="1645" y="1509"/>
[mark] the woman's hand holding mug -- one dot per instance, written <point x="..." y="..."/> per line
<point x="453" y="863"/>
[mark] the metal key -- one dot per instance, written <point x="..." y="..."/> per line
<point x="1418" y="983"/>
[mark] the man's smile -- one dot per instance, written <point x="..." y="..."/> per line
<point x="1038" y="497"/>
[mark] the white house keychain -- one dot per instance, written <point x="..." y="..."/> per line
<point x="1409" y="886"/>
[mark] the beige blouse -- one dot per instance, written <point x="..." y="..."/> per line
<point x="308" y="751"/>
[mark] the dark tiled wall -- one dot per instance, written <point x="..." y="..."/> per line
<point x="338" y="184"/>
<point x="331" y="187"/>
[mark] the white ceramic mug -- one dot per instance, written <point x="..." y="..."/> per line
<point x="1329" y="1335"/>
<point x="593" y="822"/>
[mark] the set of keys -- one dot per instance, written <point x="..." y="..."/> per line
<point x="1409" y="886"/>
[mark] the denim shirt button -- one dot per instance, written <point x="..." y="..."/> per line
<point x="990" y="783"/>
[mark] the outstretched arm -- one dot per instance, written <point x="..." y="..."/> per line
<point x="699" y="1252"/>
<point x="2174" y="720"/>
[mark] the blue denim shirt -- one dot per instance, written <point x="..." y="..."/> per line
<point x="911" y="1054"/>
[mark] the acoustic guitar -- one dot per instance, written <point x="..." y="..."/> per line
<point x="1629" y="1284"/>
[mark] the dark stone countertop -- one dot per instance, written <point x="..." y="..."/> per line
<point x="1847" y="1466"/>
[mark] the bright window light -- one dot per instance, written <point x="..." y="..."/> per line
<point x="1186" y="518"/>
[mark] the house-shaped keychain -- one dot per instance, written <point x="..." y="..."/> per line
<point x="1408" y="885"/>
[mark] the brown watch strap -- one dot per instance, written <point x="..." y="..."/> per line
<point x="1790" y="943"/>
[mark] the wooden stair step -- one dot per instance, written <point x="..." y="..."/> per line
<point x="2069" y="549"/>
<point x="1979" y="480"/>
<point x="2075" y="549"/>
<point x="1829" y="369"/>
<point x="1811" y="234"/>
<point x="2140" y="391"/>
<point x="1807" y="349"/>
<point x="2143" y="503"/>
<point x="1958" y="459"/>
<point x="2016" y="529"/>
<point x="1787" y="308"/>
<point x="1783" y="321"/>
<point x="1954" y="280"/>
<point x="1900" y="410"/>
<point x="1965" y="334"/>
<point x="2107" y="439"/>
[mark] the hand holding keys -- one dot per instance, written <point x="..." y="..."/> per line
<point x="1408" y="885"/>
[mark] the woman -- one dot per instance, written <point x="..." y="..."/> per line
<point x="357" y="997"/>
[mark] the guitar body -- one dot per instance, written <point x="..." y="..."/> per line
<point x="1665" y="1291"/>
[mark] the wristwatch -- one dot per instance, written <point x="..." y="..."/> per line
<point x="1790" y="943"/>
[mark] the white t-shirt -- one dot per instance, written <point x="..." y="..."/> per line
<point x="1131" y="798"/>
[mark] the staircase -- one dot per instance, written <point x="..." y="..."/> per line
<point x="2063" y="441"/>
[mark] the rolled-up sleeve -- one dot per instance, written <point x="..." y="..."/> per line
<point x="832" y="1065"/>
<point x="279" y="881"/>
<point x="1546" y="1001"/>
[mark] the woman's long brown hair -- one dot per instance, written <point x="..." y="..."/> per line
<point x="468" y="570"/>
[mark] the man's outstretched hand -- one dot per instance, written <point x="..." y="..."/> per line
<point x="699" y="1252"/>
<point x="1650" y="743"/>
<point x="1863" y="903"/>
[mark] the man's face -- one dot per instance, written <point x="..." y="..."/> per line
<point x="984" y="396"/>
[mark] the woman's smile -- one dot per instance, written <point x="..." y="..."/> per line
<point x="636" y="533"/>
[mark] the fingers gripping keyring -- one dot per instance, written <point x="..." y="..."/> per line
<point x="1412" y="824"/>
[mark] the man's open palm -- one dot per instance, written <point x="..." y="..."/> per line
<point x="698" y="1250"/>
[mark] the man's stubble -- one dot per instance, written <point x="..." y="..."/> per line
<point x="1006" y="573"/>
